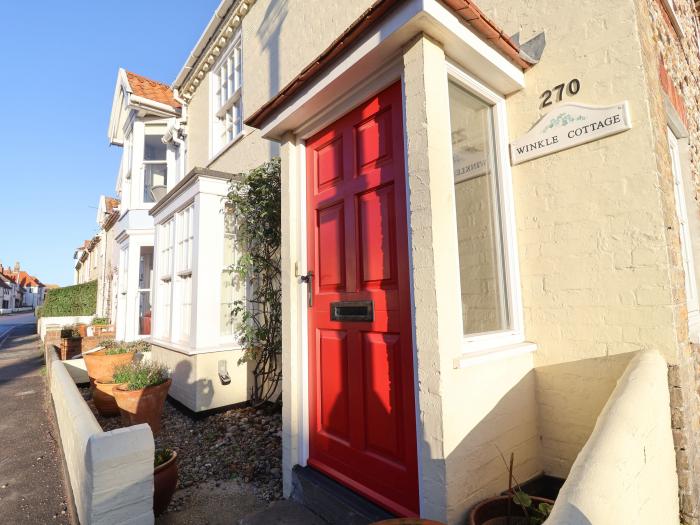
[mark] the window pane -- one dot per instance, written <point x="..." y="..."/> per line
<point x="153" y="148"/>
<point x="481" y="260"/>
<point x="153" y="175"/>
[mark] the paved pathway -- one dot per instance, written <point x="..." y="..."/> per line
<point x="32" y="487"/>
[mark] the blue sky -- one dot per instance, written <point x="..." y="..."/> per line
<point x="57" y="77"/>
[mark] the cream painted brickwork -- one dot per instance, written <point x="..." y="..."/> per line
<point x="592" y="232"/>
<point x="465" y="415"/>
<point x="279" y="38"/>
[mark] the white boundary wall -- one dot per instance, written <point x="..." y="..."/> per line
<point x="44" y="322"/>
<point x="111" y="473"/>
<point x="626" y="472"/>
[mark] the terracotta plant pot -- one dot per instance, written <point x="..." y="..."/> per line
<point x="103" y="397"/>
<point x="164" y="484"/>
<point x="82" y="329"/>
<point x="142" y="406"/>
<point x="494" y="511"/>
<point x="99" y="364"/>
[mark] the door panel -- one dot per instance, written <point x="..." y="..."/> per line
<point x="361" y="394"/>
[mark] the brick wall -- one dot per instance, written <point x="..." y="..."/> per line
<point x="672" y="63"/>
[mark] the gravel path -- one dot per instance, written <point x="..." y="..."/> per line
<point x="242" y="444"/>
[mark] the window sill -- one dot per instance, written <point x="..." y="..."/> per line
<point x="498" y="353"/>
<point x="225" y="148"/>
<point x="188" y="350"/>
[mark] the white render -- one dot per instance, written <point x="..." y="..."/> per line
<point x="111" y="473"/>
<point x="626" y="471"/>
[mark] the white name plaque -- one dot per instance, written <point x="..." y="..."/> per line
<point x="569" y="125"/>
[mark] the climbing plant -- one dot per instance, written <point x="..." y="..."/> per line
<point x="254" y="200"/>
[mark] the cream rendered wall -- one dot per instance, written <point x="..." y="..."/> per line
<point x="279" y="38"/>
<point x="626" y="473"/>
<point x="591" y="231"/>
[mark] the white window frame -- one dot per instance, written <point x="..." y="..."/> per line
<point x="691" y="287"/>
<point x="166" y="249"/>
<point x="225" y="270"/>
<point x="185" y="240"/>
<point x="146" y="163"/>
<point x="481" y="342"/>
<point x="233" y="106"/>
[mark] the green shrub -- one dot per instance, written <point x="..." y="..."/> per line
<point x="161" y="456"/>
<point x="116" y="350"/>
<point x="113" y="347"/>
<point x="80" y="299"/>
<point x="141" y="375"/>
<point x="100" y="321"/>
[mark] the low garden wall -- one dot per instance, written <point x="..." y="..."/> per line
<point x="111" y="473"/>
<point x="626" y="472"/>
<point x="43" y="323"/>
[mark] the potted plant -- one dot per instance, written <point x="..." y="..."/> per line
<point x="81" y="328"/>
<point x="141" y="392"/>
<point x="100" y="364"/>
<point x="164" y="479"/>
<point x="99" y="326"/>
<point x="514" y="508"/>
<point x="103" y="397"/>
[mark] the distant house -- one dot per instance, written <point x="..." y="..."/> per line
<point x="141" y="110"/>
<point x="26" y="291"/>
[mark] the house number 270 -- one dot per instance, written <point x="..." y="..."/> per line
<point x="572" y="88"/>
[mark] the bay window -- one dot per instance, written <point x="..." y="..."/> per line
<point x="483" y="213"/>
<point x="226" y="82"/>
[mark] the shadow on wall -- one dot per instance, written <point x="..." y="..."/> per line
<point x="503" y="420"/>
<point x="570" y="396"/>
<point x="269" y="36"/>
<point x="183" y="379"/>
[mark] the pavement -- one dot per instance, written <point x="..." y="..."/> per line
<point x="32" y="480"/>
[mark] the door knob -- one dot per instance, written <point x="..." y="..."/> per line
<point x="309" y="279"/>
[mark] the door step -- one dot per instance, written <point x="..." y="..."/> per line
<point x="332" y="501"/>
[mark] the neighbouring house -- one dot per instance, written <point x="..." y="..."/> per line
<point x="81" y="270"/>
<point x="141" y="110"/>
<point x="480" y="233"/>
<point x="107" y="216"/>
<point x="28" y="291"/>
<point x="7" y="294"/>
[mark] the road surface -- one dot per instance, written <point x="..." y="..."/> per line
<point x="32" y="483"/>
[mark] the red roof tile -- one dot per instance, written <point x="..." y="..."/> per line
<point x="151" y="89"/>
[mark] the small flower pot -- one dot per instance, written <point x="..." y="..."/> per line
<point x="103" y="397"/>
<point x="164" y="484"/>
<point x="101" y="365"/>
<point x="142" y="406"/>
<point x="494" y="511"/>
<point x="82" y="329"/>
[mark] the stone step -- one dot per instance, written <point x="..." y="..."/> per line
<point x="284" y="512"/>
<point x="331" y="501"/>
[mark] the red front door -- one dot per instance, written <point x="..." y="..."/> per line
<point x="362" y="416"/>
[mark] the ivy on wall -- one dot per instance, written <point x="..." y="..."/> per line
<point x="254" y="199"/>
<point x="80" y="299"/>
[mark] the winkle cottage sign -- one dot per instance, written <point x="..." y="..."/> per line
<point x="569" y="125"/>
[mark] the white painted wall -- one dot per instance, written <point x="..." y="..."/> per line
<point x="626" y="472"/>
<point x="111" y="473"/>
